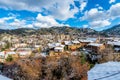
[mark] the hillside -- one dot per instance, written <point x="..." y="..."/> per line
<point x="21" y="31"/>
<point x="64" y="30"/>
<point x="113" y="31"/>
<point x="52" y="30"/>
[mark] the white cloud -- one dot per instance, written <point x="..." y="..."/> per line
<point x="94" y="14"/>
<point x="41" y="25"/>
<point x="17" y="23"/>
<point x="58" y="9"/>
<point x="100" y="8"/>
<point x="11" y="22"/>
<point x="114" y="11"/>
<point x="62" y="10"/>
<point x="29" y="26"/>
<point x="83" y="4"/>
<point x="85" y="26"/>
<point x="40" y="22"/>
<point x="2" y="20"/>
<point x="97" y="17"/>
<point x="46" y="19"/>
<point x="46" y="22"/>
<point x="5" y="23"/>
<point x="100" y="23"/>
<point x="111" y="1"/>
<point x="20" y="5"/>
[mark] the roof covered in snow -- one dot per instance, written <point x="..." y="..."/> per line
<point x="2" y="54"/>
<point x="113" y="43"/>
<point x="67" y="42"/>
<point x="4" y="78"/>
<point x="59" y="48"/>
<point x="75" y="42"/>
<point x="92" y="39"/>
<point x="95" y="44"/>
<point x="105" y="71"/>
<point x="85" y="40"/>
<point x="11" y="52"/>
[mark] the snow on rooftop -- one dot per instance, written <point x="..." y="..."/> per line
<point x="67" y="42"/>
<point x="105" y="71"/>
<point x="75" y="42"/>
<point x="51" y="45"/>
<point x="62" y="46"/>
<point x="37" y="46"/>
<point x="59" y="48"/>
<point x="2" y="54"/>
<point x="88" y="40"/>
<point x="4" y="78"/>
<point x="24" y="49"/>
<point x="10" y="53"/>
<point x="85" y="40"/>
<point x="12" y="49"/>
<point x="117" y="43"/>
<point x="92" y="39"/>
<point x="95" y="44"/>
<point x="23" y="53"/>
<point x="113" y="43"/>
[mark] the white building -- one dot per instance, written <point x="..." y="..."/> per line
<point x="116" y="45"/>
<point x="59" y="49"/>
<point x="23" y="52"/>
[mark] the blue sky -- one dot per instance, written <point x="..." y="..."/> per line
<point x="95" y="14"/>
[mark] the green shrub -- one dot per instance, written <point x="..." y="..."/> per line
<point x="9" y="58"/>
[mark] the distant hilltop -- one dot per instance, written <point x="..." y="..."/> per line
<point x="115" y="30"/>
<point x="53" y="30"/>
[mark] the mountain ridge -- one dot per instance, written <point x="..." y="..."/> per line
<point x="115" y="30"/>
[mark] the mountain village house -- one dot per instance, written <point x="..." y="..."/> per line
<point x="94" y="50"/>
<point x="95" y="47"/>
